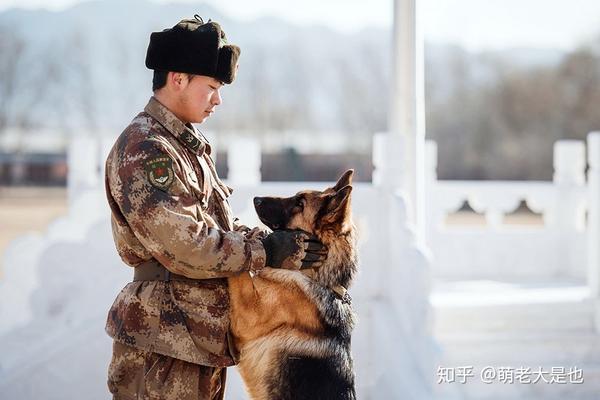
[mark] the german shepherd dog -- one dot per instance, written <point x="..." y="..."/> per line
<point x="292" y="329"/>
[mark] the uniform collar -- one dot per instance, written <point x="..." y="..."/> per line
<point x="186" y="133"/>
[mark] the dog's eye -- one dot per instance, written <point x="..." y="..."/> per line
<point x="300" y="204"/>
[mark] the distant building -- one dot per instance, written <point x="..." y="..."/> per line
<point x="40" y="157"/>
<point x="33" y="157"/>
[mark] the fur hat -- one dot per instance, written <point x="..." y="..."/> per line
<point x="194" y="47"/>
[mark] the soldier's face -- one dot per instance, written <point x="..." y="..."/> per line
<point x="199" y="98"/>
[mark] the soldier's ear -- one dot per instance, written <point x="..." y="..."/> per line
<point x="345" y="180"/>
<point x="177" y="80"/>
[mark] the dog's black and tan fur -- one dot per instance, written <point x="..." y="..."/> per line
<point x="292" y="330"/>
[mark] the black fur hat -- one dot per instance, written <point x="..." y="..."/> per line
<point x="194" y="47"/>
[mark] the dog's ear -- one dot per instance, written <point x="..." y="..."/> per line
<point x="339" y="200"/>
<point x="345" y="180"/>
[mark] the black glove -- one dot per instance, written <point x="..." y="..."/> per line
<point x="294" y="250"/>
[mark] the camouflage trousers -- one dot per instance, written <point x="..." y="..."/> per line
<point x="139" y="375"/>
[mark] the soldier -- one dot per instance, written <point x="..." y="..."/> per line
<point x="171" y="221"/>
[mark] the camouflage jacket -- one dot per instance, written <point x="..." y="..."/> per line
<point x="168" y="204"/>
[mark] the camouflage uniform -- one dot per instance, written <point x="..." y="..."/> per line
<point x="163" y="377"/>
<point x="168" y="204"/>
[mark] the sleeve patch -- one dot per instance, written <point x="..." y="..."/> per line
<point x="159" y="171"/>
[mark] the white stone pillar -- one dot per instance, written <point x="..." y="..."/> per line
<point x="566" y="215"/>
<point x="593" y="231"/>
<point x="243" y="162"/>
<point x="434" y="214"/>
<point x="380" y="140"/>
<point x="401" y="303"/>
<point x="431" y="161"/>
<point x="82" y="161"/>
<point x="405" y="147"/>
<point x="569" y="176"/>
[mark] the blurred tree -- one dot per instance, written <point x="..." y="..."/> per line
<point x="82" y="95"/>
<point x="27" y="73"/>
<point x="493" y="116"/>
<point x="12" y="50"/>
<point x="505" y="129"/>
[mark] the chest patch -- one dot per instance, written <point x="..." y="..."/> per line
<point x="160" y="172"/>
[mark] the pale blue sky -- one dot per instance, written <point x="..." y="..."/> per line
<point x="474" y="24"/>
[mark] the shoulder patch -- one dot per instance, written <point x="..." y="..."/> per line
<point x="159" y="171"/>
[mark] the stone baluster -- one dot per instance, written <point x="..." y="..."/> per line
<point x="593" y="231"/>
<point x="243" y="161"/>
<point x="569" y="175"/>
<point x="82" y="158"/>
<point x="431" y="161"/>
<point x="380" y="142"/>
<point x="435" y="211"/>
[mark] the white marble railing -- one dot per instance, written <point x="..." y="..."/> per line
<point x="59" y="286"/>
<point x="552" y="247"/>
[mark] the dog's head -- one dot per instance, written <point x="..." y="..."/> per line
<point x="310" y="210"/>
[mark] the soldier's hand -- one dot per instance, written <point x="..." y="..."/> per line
<point x="294" y="250"/>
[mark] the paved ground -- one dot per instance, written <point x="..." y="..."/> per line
<point x="28" y="209"/>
